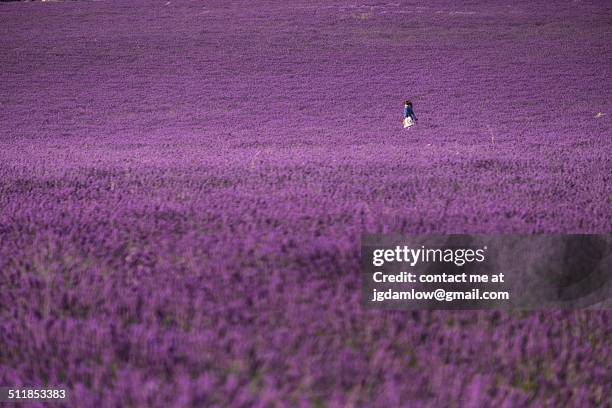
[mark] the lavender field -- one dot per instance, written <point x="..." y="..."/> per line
<point x="184" y="186"/>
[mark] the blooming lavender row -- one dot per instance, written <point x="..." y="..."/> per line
<point x="183" y="188"/>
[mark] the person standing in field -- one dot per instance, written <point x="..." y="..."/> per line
<point x="409" y="116"/>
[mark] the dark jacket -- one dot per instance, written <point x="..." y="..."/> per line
<point x="408" y="112"/>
